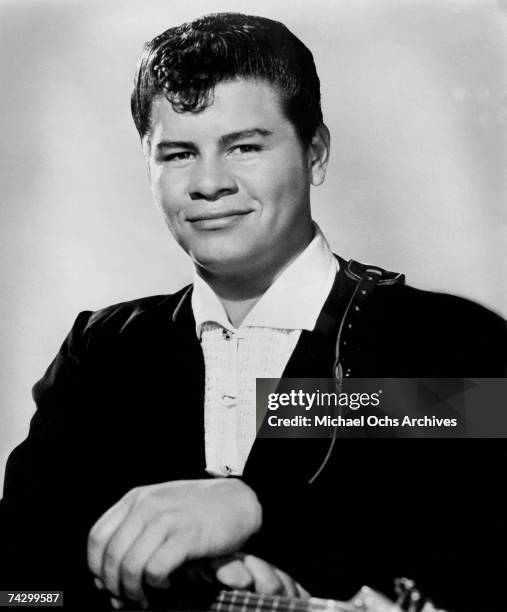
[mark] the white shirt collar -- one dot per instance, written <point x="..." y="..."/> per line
<point x="293" y="301"/>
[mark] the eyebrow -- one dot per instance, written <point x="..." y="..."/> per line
<point x="225" y="140"/>
<point x="233" y="136"/>
<point x="175" y="144"/>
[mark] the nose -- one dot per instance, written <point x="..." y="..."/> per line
<point x="211" y="180"/>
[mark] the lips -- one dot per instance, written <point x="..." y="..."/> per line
<point x="210" y="215"/>
<point x="216" y="219"/>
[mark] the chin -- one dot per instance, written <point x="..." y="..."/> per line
<point x="220" y="256"/>
<point x="223" y="262"/>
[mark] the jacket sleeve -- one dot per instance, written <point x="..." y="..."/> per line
<point x="39" y="538"/>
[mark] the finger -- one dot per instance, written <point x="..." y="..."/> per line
<point x="266" y="580"/>
<point x="232" y="572"/>
<point x="132" y="565"/>
<point x="169" y="556"/>
<point x="117" y="604"/>
<point x="301" y="592"/>
<point x="101" y="532"/>
<point x="116" y="549"/>
<point x="289" y="586"/>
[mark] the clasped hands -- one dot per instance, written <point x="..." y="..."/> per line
<point x="153" y="530"/>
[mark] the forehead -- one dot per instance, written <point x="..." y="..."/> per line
<point x="236" y="106"/>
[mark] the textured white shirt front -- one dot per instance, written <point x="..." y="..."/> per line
<point x="259" y="348"/>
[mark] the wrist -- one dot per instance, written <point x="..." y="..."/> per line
<point x="256" y="509"/>
<point x="252" y="514"/>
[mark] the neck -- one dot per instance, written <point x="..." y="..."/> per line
<point x="240" y="291"/>
<point x="238" y="601"/>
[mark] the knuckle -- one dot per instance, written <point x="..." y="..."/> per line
<point x="110" y="559"/>
<point x="134" y="495"/>
<point x="95" y="536"/>
<point x="154" y="574"/>
<point x="146" y="501"/>
<point x="111" y="585"/>
<point x="161" y="522"/>
<point x="130" y="574"/>
<point x="131" y="590"/>
<point x="139" y="494"/>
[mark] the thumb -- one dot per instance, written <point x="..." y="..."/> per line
<point x="232" y="572"/>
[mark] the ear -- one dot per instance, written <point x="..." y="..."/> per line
<point x="146" y="144"/>
<point x="318" y="154"/>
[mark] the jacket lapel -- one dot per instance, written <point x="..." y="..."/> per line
<point x="313" y="357"/>
<point x="314" y="354"/>
<point x="165" y="383"/>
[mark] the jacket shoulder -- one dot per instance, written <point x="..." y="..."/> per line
<point x="460" y="309"/>
<point x="437" y="331"/>
<point x="461" y="335"/>
<point x="118" y="320"/>
<point x="117" y="317"/>
<point x="415" y="299"/>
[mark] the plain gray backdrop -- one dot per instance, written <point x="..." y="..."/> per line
<point x="415" y="96"/>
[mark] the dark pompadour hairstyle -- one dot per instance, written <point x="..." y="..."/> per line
<point x="185" y="63"/>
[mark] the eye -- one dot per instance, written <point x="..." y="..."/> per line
<point x="178" y="156"/>
<point x="245" y="148"/>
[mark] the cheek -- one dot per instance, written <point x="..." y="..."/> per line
<point x="166" y="194"/>
<point x="286" y="187"/>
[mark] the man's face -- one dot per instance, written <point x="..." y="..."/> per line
<point x="232" y="180"/>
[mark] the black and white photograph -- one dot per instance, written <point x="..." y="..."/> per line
<point x="253" y="348"/>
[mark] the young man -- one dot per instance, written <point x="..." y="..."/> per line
<point x="142" y="454"/>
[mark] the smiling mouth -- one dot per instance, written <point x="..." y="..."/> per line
<point x="212" y="215"/>
<point x="217" y="220"/>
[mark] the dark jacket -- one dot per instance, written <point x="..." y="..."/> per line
<point x="122" y="406"/>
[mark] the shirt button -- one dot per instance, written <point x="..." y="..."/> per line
<point x="225" y="469"/>
<point x="227" y="335"/>
<point x="228" y="400"/>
